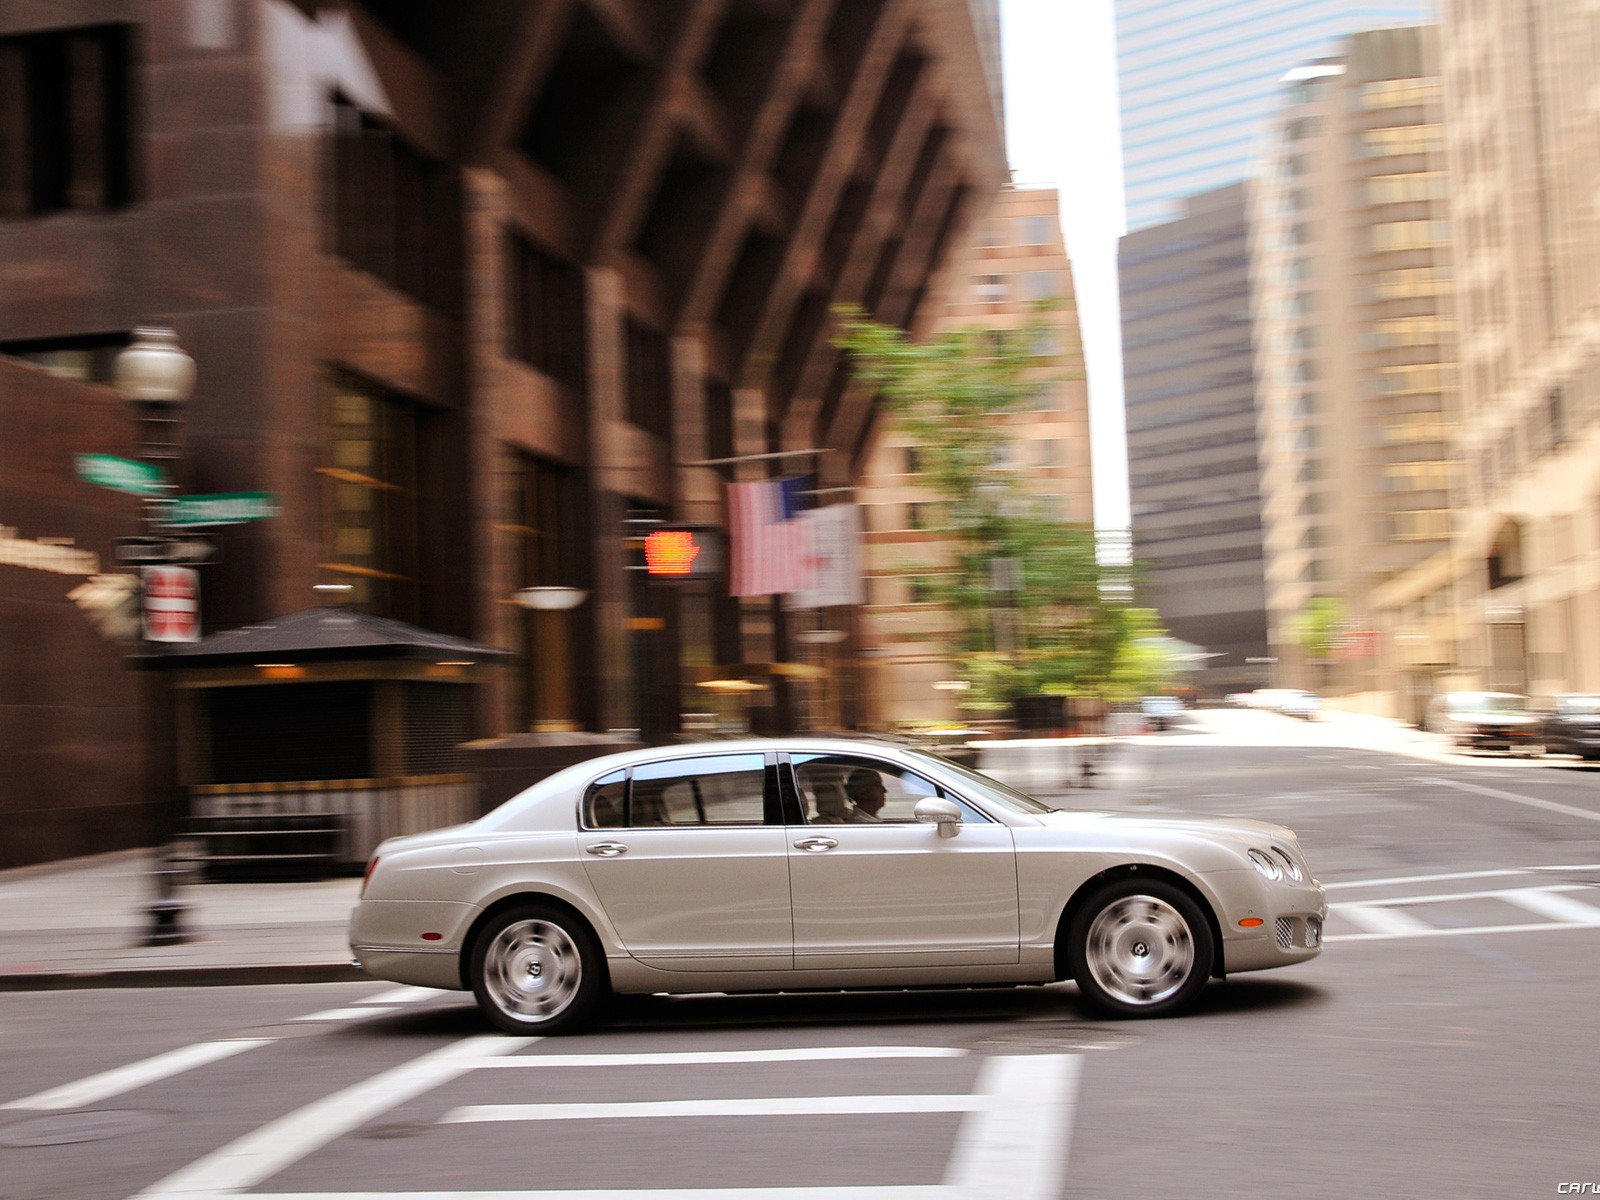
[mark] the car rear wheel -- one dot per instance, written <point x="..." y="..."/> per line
<point x="537" y="970"/>
<point x="1140" y="948"/>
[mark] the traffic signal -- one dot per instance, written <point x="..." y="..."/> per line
<point x="674" y="553"/>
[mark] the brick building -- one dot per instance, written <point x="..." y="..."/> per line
<point x="469" y="289"/>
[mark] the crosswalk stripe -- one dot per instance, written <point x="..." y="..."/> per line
<point x="248" y="1160"/>
<point x="1549" y="902"/>
<point x="1380" y="919"/>
<point x="752" y="1106"/>
<point x="680" y="1057"/>
<point x="124" y="1079"/>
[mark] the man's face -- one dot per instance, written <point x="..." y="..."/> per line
<point x="870" y="797"/>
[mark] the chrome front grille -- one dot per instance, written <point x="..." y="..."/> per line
<point x="1283" y="930"/>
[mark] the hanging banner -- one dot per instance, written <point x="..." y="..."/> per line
<point x="835" y="545"/>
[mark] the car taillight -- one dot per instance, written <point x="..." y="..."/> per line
<point x="372" y="866"/>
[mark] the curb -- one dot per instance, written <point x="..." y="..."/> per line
<point x="148" y="977"/>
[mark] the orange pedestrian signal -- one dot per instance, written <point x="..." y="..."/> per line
<point x="670" y="552"/>
<point x="677" y="553"/>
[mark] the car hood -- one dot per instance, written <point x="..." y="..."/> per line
<point x="1241" y="829"/>
<point x="1496" y="718"/>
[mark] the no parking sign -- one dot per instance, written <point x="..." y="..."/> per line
<point x="171" y="604"/>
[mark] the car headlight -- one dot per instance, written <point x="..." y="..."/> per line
<point x="1266" y="864"/>
<point x="1290" y="867"/>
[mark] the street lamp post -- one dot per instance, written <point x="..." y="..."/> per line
<point x="155" y="376"/>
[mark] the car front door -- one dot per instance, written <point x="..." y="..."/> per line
<point x="689" y="869"/>
<point x="877" y="889"/>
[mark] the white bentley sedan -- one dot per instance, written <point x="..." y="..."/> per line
<point x="823" y="863"/>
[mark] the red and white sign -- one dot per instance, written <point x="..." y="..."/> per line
<point x="171" y="604"/>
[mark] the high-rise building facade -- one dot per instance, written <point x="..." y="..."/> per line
<point x="1521" y="83"/>
<point x="1356" y="349"/>
<point x="1017" y="274"/>
<point x="1197" y="79"/>
<point x="1189" y="390"/>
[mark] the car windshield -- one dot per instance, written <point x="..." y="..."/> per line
<point x="987" y="787"/>
<point x="1578" y="706"/>
<point x="1492" y="703"/>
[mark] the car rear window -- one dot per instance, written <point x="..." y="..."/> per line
<point x="714" y="789"/>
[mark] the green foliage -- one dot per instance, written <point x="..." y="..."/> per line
<point x="1318" y="625"/>
<point x="1030" y="604"/>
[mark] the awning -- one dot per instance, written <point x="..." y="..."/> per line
<point x="320" y="635"/>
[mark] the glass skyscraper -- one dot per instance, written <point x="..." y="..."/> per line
<point x="1197" y="79"/>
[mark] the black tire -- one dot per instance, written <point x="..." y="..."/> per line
<point x="537" y="970"/>
<point x="1140" y="948"/>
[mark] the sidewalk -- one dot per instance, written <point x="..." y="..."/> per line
<point x="83" y="923"/>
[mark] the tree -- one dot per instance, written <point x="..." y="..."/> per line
<point x="1028" y="599"/>
<point x="1318" y="627"/>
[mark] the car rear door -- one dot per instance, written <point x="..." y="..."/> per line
<point x="687" y="865"/>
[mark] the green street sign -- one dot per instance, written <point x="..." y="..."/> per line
<point x="121" y="474"/>
<point x="228" y="508"/>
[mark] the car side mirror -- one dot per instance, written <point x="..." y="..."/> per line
<point x="946" y="814"/>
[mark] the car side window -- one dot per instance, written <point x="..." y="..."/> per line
<point x="842" y="789"/>
<point x="602" y="803"/>
<point x="722" y="789"/>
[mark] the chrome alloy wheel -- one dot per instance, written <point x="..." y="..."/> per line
<point x="532" y="970"/>
<point x="1140" y="950"/>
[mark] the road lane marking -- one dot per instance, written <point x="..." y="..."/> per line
<point x="134" y="1075"/>
<point x="1397" y="879"/>
<point x="1379" y="920"/>
<point x="114" y="1082"/>
<point x="1013" y="1143"/>
<point x="256" y="1156"/>
<point x="1016" y="1146"/>
<point x="752" y="1106"/>
<point x="1552" y="903"/>
<point x="1456" y="931"/>
<point x="1516" y="798"/>
<point x="817" y="1054"/>
<point x="926" y="1191"/>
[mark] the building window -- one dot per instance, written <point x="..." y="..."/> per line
<point x="913" y="460"/>
<point x="370" y="496"/>
<point x="1410" y="235"/>
<point x="1407" y="282"/>
<point x="649" y="380"/>
<point x="66" y="137"/>
<point x="1403" y="139"/>
<point x="1401" y="189"/>
<point x="548" y="518"/>
<point x="1041" y="285"/>
<point x="545" y="321"/>
<point x="89" y="358"/>
<point x="989" y="289"/>
<point x="1399" y="93"/>
<point x="1038" y="231"/>
<point x="396" y="212"/>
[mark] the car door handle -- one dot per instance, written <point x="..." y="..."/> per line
<point x="815" y="844"/>
<point x="607" y="849"/>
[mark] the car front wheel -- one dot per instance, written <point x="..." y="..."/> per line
<point x="1140" y="948"/>
<point x="537" y="970"/>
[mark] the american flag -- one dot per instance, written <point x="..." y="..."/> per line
<point x="771" y="547"/>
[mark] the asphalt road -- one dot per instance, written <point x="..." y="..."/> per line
<point x="1444" y="1045"/>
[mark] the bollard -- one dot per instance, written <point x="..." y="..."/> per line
<point x="165" y="909"/>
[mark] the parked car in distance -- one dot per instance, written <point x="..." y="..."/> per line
<point x="1295" y="703"/>
<point x="1485" y="721"/>
<point x="823" y="863"/>
<point x="1161" y="712"/>
<point x="1572" y="726"/>
<point x="1291" y="702"/>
